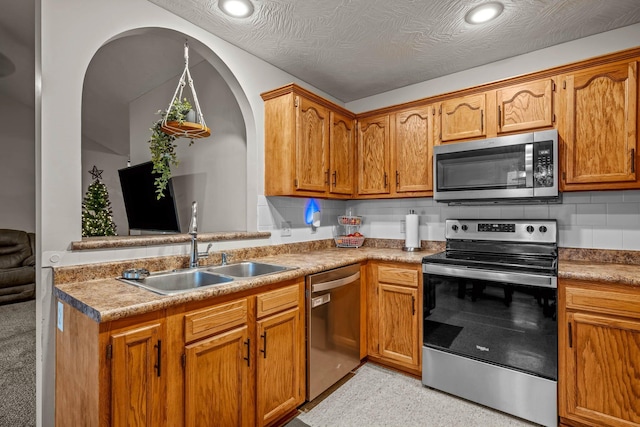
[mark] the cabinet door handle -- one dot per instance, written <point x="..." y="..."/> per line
<point x="158" y="365"/>
<point x="481" y="121"/>
<point x="385" y="180"/>
<point x="248" y="358"/>
<point x="397" y="179"/>
<point x="326" y="177"/>
<point x="570" y="336"/>
<point x="499" y="117"/>
<point x="264" y="344"/>
<point x="335" y="178"/>
<point x="413" y="305"/>
<point x="633" y="160"/>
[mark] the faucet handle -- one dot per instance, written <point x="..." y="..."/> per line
<point x="223" y="256"/>
<point x="206" y="252"/>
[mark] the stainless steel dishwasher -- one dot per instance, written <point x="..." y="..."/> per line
<point x="333" y="327"/>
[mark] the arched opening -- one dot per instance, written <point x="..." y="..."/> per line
<point x="128" y="80"/>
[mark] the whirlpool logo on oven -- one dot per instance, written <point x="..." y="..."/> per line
<point x="481" y="348"/>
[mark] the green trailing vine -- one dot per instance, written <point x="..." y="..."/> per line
<point x="162" y="145"/>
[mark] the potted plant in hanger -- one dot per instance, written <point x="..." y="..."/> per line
<point x="179" y="120"/>
<point x="162" y="144"/>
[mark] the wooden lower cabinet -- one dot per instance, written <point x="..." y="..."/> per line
<point x="599" y="357"/>
<point x="239" y="361"/>
<point x="394" y="304"/>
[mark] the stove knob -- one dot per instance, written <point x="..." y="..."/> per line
<point x="543" y="229"/>
<point x="454" y="227"/>
<point x="530" y="229"/>
<point x="464" y="227"/>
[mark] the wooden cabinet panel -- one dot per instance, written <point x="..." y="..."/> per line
<point x="599" y="354"/>
<point x="525" y="106"/>
<point x="412" y="150"/>
<point x="209" y="321"/>
<point x="399" y="326"/>
<point x="342" y="147"/>
<point x="394" y="301"/>
<point x="312" y="145"/>
<point x="280" y="362"/>
<point x="136" y="377"/>
<point x="278" y="300"/>
<point x="373" y="155"/>
<point x="217" y="380"/>
<point x="463" y="118"/>
<point x="599" y="127"/>
<point x="603" y="362"/>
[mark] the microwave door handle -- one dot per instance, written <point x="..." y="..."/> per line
<point x="528" y="165"/>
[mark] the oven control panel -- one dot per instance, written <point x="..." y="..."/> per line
<point x="520" y="230"/>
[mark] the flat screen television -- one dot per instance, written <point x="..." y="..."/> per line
<point x="144" y="210"/>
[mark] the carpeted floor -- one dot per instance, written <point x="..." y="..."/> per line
<point x="378" y="397"/>
<point x="18" y="364"/>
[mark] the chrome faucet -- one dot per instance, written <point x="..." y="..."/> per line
<point x="194" y="255"/>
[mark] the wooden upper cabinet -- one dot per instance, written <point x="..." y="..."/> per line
<point x="301" y="130"/>
<point x="412" y="150"/>
<point x="598" y="127"/>
<point x="463" y="118"/>
<point x="312" y="145"/>
<point x="525" y="106"/>
<point x="342" y="140"/>
<point x="373" y="155"/>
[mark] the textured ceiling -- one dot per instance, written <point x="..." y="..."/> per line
<point x="352" y="49"/>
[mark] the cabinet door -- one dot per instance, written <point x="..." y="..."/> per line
<point x="217" y="390"/>
<point x="463" y="118"/>
<point x="280" y="367"/>
<point x="412" y="150"/>
<point x="398" y="311"/>
<point x="373" y="155"/>
<point x="312" y="146"/>
<point x="341" y="152"/>
<point x="136" y="377"/>
<point x="602" y="365"/>
<point x="599" y="127"/>
<point x="526" y="106"/>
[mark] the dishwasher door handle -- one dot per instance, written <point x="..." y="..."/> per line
<point x="325" y="286"/>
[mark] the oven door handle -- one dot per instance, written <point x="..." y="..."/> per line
<point x="492" y="275"/>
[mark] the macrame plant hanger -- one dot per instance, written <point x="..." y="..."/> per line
<point x="188" y="129"/>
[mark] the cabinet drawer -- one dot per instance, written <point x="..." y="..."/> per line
<point x="618" y="303"/>
<point x="216" y="319"/>
<point x="398" y="276"/>
<point x="278" y="300"/>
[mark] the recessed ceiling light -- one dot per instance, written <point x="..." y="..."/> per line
<point x="236" y="8"/>
<point x="484" y="12"/>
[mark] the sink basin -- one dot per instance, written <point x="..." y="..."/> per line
<point x="248" y="269"/>
<point x="179" y="281"/>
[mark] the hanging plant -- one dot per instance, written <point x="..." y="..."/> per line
<point x="162" y="145"/>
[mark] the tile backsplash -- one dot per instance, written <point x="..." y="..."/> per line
<point x="598" y="219"/>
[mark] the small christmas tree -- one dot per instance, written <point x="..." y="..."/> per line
<point x="97" y="219"/>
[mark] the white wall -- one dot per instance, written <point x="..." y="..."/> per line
<point x="212" y="171"/>
<point x="17" y="167"/>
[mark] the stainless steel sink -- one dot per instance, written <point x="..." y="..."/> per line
<point x="179" y="281"/>
<point x="248" y="269"/>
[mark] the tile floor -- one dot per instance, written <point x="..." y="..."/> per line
<point x="379" y="397"/>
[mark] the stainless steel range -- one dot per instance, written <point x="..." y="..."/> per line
<point x="490" y="332"/>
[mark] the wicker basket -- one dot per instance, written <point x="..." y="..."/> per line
<point x="349" y="241"/>
<point x="349" y="220"/>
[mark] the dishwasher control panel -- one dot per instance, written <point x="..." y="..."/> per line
<point x="322" y="299"/>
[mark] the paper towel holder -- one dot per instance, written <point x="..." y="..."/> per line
<point x="412" y="249"/>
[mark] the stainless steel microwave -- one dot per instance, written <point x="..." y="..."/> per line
<point x="522" y="167"/>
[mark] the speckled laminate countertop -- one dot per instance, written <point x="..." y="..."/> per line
<point x="110" y="299"/>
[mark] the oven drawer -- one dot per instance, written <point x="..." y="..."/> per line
<point x="607" y="301"/>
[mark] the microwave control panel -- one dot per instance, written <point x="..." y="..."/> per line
<point x="543" y="164"/>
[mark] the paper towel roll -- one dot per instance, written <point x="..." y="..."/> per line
<point x="412" y="239"/>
